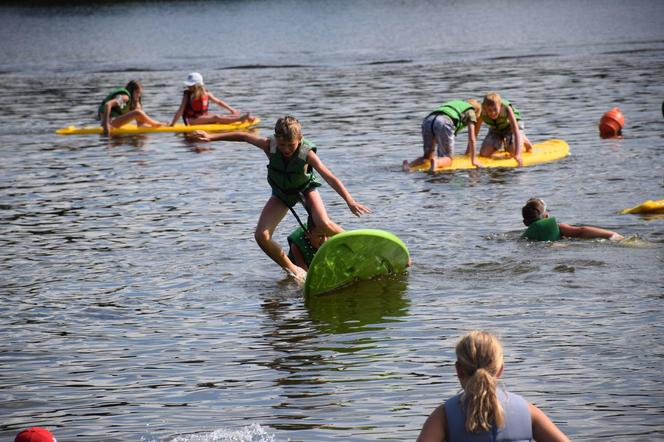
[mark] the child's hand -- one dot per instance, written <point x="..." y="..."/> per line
<point x="199" y="135"/>
<point x="519" y="160"/>
<point x="616" y="237"/>
<point x="357" y="208"/>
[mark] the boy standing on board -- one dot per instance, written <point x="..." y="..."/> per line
<point x="289" y="174"/>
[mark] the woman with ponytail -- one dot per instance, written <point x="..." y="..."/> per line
<point x="484" y="412"/>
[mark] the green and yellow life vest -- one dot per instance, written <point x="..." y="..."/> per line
<point x="115" y="110"/>
<point x="502" y="123"/>
<point x="298" y="238"/>
<point x="545" y="229"/>
<point x="289" y="177"/>
<point x="455" y="110"/>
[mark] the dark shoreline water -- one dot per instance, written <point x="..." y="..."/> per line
<point x="136" y="306"/>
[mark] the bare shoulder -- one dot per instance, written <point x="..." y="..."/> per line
<point x="544" y="430"/>
<point x="433" y="429"/>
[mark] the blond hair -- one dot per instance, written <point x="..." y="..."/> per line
<point x="288" y="128"/>
<point x="197" y="91"/>
<point x="492" y="99"/>
<point x="476" y="105"/>
<point x="480" y="359"/>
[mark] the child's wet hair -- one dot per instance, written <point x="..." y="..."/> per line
<point x="491" y="99"/>
<point x="288" y="128"/>
<point x="132" y="87"/>
<point x="197" y="90"/>
<point x="534" y="210"/>
<point x="476" y="105"/>
<point x="480" y="359"/>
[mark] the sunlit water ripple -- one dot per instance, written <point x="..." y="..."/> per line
<point x="136" y="305"/>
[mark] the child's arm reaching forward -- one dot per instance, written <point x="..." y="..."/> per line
<point x="334" y="182"/>
<point x="261" y="142"/>
<point x="221" y="103"/>
<point x="588" y="232"/>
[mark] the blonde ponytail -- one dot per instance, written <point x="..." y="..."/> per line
<point x="480" y="358"/>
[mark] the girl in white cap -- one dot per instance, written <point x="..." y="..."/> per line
<point x="195" y="101"/>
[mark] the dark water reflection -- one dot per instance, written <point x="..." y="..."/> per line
<point x="136" y="306"/>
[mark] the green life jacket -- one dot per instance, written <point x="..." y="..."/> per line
<point x="545" y="229"/>
<point x="115" y="110"/>
<point x="502" y="122"/>
<point x="289" y="177"/>
<point x="455" y="110"/>
<point x="298" y="238"/>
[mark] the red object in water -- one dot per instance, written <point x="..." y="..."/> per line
<point x="611" y="124"/>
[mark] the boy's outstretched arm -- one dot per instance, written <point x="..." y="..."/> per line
<point x="334" y="182"/>
<point x="588" y="232"/>
<point x="247" y="137"/>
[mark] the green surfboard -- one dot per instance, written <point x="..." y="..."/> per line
<point x="354" y="255"/>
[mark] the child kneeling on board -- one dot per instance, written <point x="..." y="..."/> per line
<point x="439" y="130"/>
<point x="506" y="129"/>
<point x="542" y="227"/>
<point x="291" y="158"/>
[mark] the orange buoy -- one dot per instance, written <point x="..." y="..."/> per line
<point x="611" y="124"/>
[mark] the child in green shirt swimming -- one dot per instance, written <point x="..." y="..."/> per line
<point x="542" y="227"/>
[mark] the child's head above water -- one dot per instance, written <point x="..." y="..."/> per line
<point x="288" y="129"/>
<point x="534" y="210"/>
<point x="314" y="234"/>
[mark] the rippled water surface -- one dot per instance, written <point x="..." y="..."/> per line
<point x="136" y="305"/>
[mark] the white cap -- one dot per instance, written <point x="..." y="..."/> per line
<point x="194" y="78"/>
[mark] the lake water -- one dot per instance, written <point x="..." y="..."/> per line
<point x="137" y="307"/>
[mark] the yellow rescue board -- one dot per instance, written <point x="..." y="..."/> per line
<point x="649" y="206"/>
<point x="544" y="152"/>
<point x="129" y="129"/>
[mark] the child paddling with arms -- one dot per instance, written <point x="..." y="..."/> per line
<point x="542" y="227"/>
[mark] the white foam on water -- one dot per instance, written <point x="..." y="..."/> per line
<point x="251" y="433"/>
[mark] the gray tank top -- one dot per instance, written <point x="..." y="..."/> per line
<point x="518" y="423"/>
